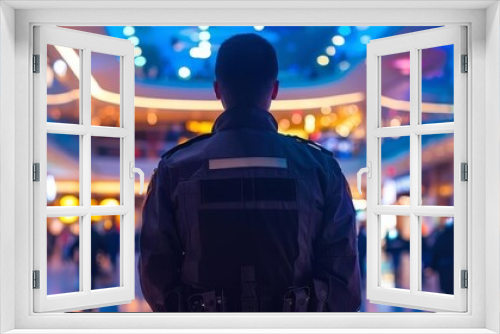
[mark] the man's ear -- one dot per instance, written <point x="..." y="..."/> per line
<point x="217" y="90"/>
<point x="276" y="87"/>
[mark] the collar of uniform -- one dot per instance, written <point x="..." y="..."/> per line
<point x="245" y="117"/>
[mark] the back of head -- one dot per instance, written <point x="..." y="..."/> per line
<point x="246" y="69"/>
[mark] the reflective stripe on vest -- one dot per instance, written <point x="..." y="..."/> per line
<point x="268" y="162"/>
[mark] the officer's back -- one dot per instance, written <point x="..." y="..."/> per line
<point x="246" y="219"/>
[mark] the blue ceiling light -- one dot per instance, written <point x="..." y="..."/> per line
<point x="184" y="72"/>
<point x="338" y="40"/>
<point x="128" y="31"/>
<point x="200" y="52"/>
<point x="204" y="36"/>
<point x="365" y="39"/>
<point x="331" y="51"/>
<point x="203" y="27"/>
<point x="259" y="28"/>
<point x="344" y="65"/>
<point x="345" y="30"/>
<point x="134" y="40"/>
<point x="323" y="60"/>
<point x="205" y="45"/>
<point x="140" y="61"/>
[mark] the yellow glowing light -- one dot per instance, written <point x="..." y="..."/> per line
<point x="446" y="190"/>
<point x="297" y="132"/>
<point x="284" y="124"/>
<point x="55" y="226"/>
<point x="68" y="200"/>
<point x="342" y="130"/>
<point x="296" y="118"/>
<point x="108" y="224"/>
<point x="323" y="60"/>
<point x="95" y="218"/>
<point x="395" y="122"/>
<point x="326" y="110"/>
<point x="68" y="220"/>
<point x="110" y="201"/>
<point x="199" y="126"/>
<point x="325" y="121"/>
<point x="152" y="118"/>
<point x="310" y="123"/>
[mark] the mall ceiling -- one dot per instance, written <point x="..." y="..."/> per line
<point x="178" y="62"/>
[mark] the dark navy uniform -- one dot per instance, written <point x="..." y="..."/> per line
<point x="246" y="219"/>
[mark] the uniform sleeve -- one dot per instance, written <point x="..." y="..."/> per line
<point x="160" y="248"/>
<point x="335" y="251"/>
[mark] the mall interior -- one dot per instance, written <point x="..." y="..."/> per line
<point x="322" y="74"/>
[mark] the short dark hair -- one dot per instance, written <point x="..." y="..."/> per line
<point x="247" y="67"/>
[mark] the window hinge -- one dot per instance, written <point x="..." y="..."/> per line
<point x="36" y="63"/>
<point x="36" y="172"/>
<point x="465" y="64"/>
<point x="36" y="279"/>
<point x="465" y="279"/>
<point x="464" y="172"/>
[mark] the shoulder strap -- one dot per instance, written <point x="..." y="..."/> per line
<point x="170" y="152"/>
<point x="313" y="145"/>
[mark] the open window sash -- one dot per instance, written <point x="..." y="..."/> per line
<point x="84" y="297"/>
<point x="414" y="43"/>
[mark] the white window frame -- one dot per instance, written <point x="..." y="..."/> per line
<point x="87" y="43"/>
<point x="483" y="21"/>
<point x="414" y="43"/>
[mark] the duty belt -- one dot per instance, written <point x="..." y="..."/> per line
<point x="207" y="302"/>
<point x="248" y="295"/>
<point x="296" y="300"/>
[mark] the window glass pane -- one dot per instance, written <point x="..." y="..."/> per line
<point x="437" y="84"/>
<point x="63" y="272"/>
<point x="395" y="89"/>
<point x="437" y="169"/>
<point x="63" y="84"/>
<point x="105" y="167"/>
<point x="395" y="171"/>
<point x="105" y="249"/>
<point x="437" y="254"/>
<point x="395" y="251"/>
<point x="63" y="177"/>
<point x="105" y="89"/>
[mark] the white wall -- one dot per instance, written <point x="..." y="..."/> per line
<point x="492" y="150"/>
<point x="7" y="54"/>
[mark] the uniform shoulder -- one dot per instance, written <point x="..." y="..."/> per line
<point x="312" y="145"/>
<point x="188" y="143"/>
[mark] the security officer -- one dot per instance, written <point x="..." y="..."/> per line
<point x="246" y="219"/>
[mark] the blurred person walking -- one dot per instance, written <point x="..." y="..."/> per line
<point x="245" y="219"/>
